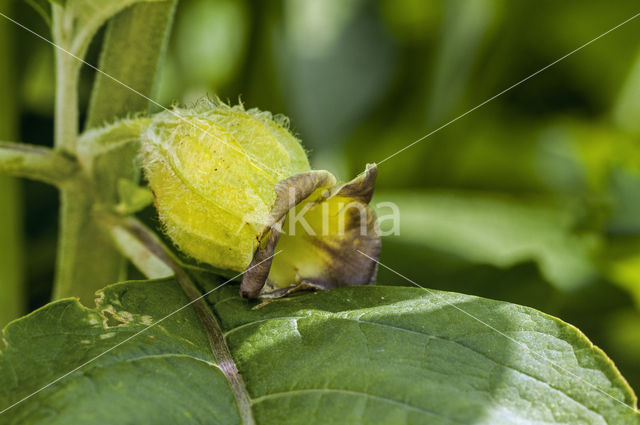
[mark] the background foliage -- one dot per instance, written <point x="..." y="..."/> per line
<point x="531" y="199"/>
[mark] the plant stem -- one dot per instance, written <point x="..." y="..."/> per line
<point x="153" y="245"/>
<point x="12" y="302"/>
<point x="86" y="260"/>
<point x="67" y="73"/>
<point x="66" y="109"/>
<point x="137" y="252"/>
<point x="36" y="163"/>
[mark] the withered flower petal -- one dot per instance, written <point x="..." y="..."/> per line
<point x="341" y="223"/>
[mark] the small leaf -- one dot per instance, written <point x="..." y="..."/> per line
<point x="354" y="355"/>
<point x="133" y="198"/>
<point x="108" y="155"/>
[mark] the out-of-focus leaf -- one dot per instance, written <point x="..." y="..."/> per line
<point x="87" y="17"/>
<point x="12" y="252"/>
<point x="626" y="270"/>
<point x="602" y="149"/>
<point x="133" y="47"/>
<point x="467" y="24"/>
<point x="498" y="230"/>
<point x="599" y="69"/>
<point x="374" y="355"/>
<point x="596" y="160"/>
<point x="325" y="20"/>
<point x="335" y="63"/>
<point x="624" y="190"/>
<point x="411" y="21"/>
<point x="622" y="334"/>
<point x="133" y="198"/>
<point x="38" y="83"/>
<point x="627" y="108"/>
<point x="209" y="42"/>
<point x="43" y="7"/>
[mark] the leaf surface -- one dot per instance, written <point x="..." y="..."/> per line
<point x="356" y="355"/>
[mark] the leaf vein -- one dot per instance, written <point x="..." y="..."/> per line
<point x="353" y="393"/>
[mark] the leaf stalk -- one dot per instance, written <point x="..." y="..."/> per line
<point x="219" y="347"/>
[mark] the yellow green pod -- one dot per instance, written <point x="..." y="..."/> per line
<point x="225" y="180"/>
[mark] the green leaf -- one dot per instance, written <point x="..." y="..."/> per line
<point x="356" y="355"/>
<point x="43" y="7"/>
<point x="109" y="156"/>
<point x="500" y="230"/>
<point x="624" y="267"/>
<point x="133" y="198"/>
<point x="465" y="29"/>
<point x="132" y="63"/>
<point x="87" y="17"/>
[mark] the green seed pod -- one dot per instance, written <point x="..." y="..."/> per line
<point x="226" y="182"/>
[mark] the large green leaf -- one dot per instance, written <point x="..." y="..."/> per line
<point x="356" y="355"/>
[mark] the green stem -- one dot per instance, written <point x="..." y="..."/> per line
<point x="12" y="294"/>
<point x="66" y="109"/>
<point x="152" y="245"/>
<point x="67" y="73"/>
<point x="36" y="163"/>
<point x="136" y="251"/>
<point x="87" y="260"/>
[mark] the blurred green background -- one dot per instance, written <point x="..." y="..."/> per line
<point x="531" y="199"/>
